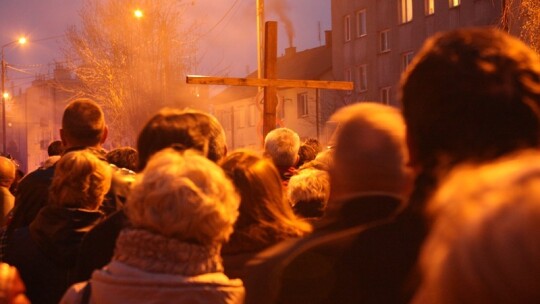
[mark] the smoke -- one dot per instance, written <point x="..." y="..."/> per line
<point x="280" y="8"/>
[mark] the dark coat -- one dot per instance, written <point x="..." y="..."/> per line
<point x="45" y="252"/>
<point x="322" y="267"/>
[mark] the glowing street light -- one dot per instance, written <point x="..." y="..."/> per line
<point x="138" y="14"/>
<point x="5" y="95"/>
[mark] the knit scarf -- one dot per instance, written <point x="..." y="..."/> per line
<point x="156" y="253"/>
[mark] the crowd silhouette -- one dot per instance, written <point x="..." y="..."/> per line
<point x="435" y="202"/>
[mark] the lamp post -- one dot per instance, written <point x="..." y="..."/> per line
<point x="21" y="41"/>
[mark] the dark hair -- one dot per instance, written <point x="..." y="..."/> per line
<point x="83" y="123"/>
<point x="123" y="157"/>
<point x="190" y="128"/>
<point x="471" y="95"/>
<point x="55" y="148"/>
<point x="306" y="153"/>
<point x="265" y="213"/>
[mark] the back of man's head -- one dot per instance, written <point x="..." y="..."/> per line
<point x="186" y="129"/>
<point x="282" y="145"/>
<point x="471" y="95"/>
<point x="55" y="148"/>
<point x="83" y="124"/>
<point x="370" y="152"/>
<point x="7" y="172"/>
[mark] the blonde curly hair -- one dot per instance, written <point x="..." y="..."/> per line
<point x="185" y="196"/>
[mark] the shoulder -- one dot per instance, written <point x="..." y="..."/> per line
<point x="74" y="293"/>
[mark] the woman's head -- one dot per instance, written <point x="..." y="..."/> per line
<point x="185" y="196"/>
<point x="262" y="197"/>
<point x="80" y="180"/>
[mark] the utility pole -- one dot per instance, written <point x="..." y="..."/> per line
<point x="260" y="37"/>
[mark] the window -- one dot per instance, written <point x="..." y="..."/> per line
<point x="455" y="3"/>
<point x="348" y="75"/>
<point x="302" y="104"/>
<point x="361" y="29"/>
<point x="406" y="59"/>
<point x="429" y="6"/>
<point x="252" y="110"/>
<point x="385" y="95"/>
<point x="361" y="78"/>
<point x="384" y="41"/>
<point x="347" y="28"/>
<point x="239" y="117"/>
<point x="405" y="11"/>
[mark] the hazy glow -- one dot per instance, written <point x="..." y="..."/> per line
<point x="5" y="95"/>
<point x="23" y="40"/>
<point x="138" y="13"/>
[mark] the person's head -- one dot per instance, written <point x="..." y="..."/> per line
<point x="80" y="180"/>
<point x="282" y="145"/>
<point x="83" y="124"/>
<point x="7" y="172"/>
<point x="183" y="196"/>
<point x="190" y="129"/>
<point x="470" y="95"/>
<point x="484" y="245"/>
<point x="308" y="192"/>
<point x="123" y="157"/>
<point x="370" y="152"/>
<point x="314" y="143"/>
<point x="55" y="148"/>
<point x="306" y="153"/>
<point x="262" y="198"/>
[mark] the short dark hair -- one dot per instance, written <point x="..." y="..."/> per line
<point x="83" y="122"/>
<point x="55" y="148"/>
<point x="471" y="95"/>
<point x="123" y="157"/>
<point x="190" y="129"/>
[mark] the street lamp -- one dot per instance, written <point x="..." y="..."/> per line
<point x="21" y="40"/>
<point x="138" y="14"/>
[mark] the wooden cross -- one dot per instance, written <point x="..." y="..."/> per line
<point x="270" y="81"/>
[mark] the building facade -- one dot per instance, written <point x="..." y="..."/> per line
<point x="375" y="40"/>
<point x="239" y="109"/>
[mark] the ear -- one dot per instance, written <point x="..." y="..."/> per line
<point x="63" y="138"/>
<point x="104" y="135"/>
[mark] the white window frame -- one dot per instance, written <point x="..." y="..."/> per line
<point x="302" y="104"/>
<point x="406" y="59"/>
<point x="429" y="7"/>
<point x="361" y="78"/>
<point x="347" y="28"/>
<point x="252" y="114"/>
<point x="361" y="24"/>
<point x="240" y="117"/>
<point x="405" y="11"/>
<point x="385" y="95"/>
<point x="384" y="41"/>
<point x="454" y="3"/>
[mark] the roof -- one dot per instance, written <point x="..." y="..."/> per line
<point x="310" y="64"/>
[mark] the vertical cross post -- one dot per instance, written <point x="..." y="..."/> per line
<point x="270" y="72"/>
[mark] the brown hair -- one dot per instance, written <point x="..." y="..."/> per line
<point x="83" y="123"/>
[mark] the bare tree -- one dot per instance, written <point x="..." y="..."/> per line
<point x="523" y="18"/>
<point x="132" y="65"/>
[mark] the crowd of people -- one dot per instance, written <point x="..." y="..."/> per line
<point x="431" y="203"/>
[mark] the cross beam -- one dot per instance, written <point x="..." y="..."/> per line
<point x="279" y="83"/>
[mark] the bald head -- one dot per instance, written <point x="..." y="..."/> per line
<point x="370" y="153"/>
<point x="7" y="172"/>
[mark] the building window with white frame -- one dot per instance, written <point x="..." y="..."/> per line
<point x="384" y="38"/>
<point x="240" y="117"/>
<point x="361" y="29"/>
<point x="302" y="105"/>
<point x="405" y="11"/>
<point x="454" y="3"/>
<point x="347" y="27"/>
<point x="385" y="95"/>
<point x="361" y="78"/>
<point x="429" y="6"/>
<point x="252" y="115"/>
<point x="406" y="59"/>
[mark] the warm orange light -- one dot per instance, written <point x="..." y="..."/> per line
<point x="6" y="95"/>
<point x="23" y="40"/>
<point x="138" y="13"/>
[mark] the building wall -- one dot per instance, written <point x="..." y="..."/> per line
<point x="384" y="68"/>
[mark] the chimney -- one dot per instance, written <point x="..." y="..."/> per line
<point x="328" y="38"/>
<point x="290" y="51"/>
